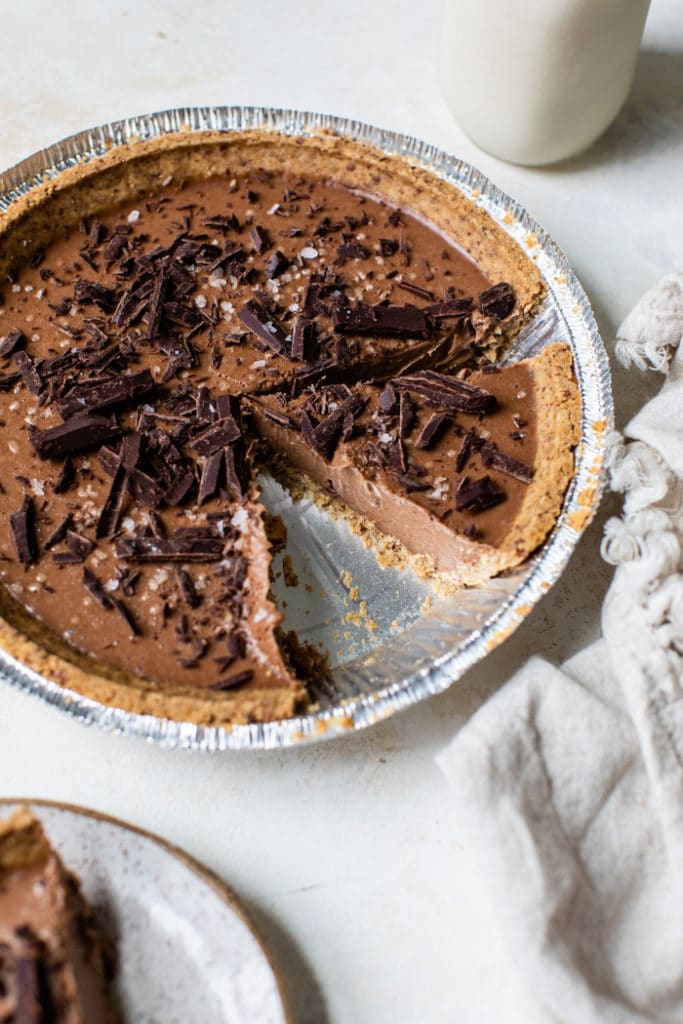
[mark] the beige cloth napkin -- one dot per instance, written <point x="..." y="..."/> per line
<point x="570" y="780"/>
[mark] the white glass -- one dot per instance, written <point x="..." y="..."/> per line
<point x="536" y="81"/>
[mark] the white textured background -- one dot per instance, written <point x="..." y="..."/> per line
<point x="346" y="853"/>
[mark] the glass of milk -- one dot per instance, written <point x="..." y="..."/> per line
<point x="536" y="81"/>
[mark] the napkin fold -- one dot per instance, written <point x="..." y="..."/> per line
<point x="570" y="780"/>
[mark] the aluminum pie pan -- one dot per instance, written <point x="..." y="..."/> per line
<point x="438" y="644"/>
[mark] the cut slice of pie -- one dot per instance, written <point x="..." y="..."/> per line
<point x="55" y="963"/>
<point x="465" y="472"/>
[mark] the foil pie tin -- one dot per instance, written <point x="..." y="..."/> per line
<point x="391" y="640"/>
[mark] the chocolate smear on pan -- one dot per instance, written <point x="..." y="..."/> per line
<point x="22" y="525"/>
<point x="478" y="495"/>
<point x="445" y="392"/>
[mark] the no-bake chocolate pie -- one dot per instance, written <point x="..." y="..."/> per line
<point x="55" y="963"/>
<point x="182" y="312"/>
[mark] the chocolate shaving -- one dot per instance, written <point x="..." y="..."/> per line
<point x="210" y="478"/>
<point x="276" y="265"/>
<point x="28" y="371"/>
<point x="497" y="302"/>
<point x="380" y="321"/>
<point x="195" y="544"/>
<point x="478" y="495"/>
<point x="59" y="532"/>
<point x="233" y="682"/>
<point x="465" y="451"/>
<point x="406" y="415"/>
<point x="9" y="380"/>
<point x="323" y="438"/>
<point x="265" y="327"/>
<point x="303" y="335"/>
<point x="88" y="293"/>
<point x="275" y="416"/>
<point x="235" y="471"/>
<point x="431" y="430"/>
<point x="388" y="246"/>
<point x="22" y="525"/>
<point x="188" y="589"/>
<point x="14" y="339"/>
<point x="96" y="588"/>
<point x="494" y="459"/>
<point x="260" y="238"/>
<point x="108" y="521"/>
<point x="447" y="392"/>
<point x="414" y="289"/>
<point x="93" y="396"/>
<point x="74" y="435"/>
<point x="219" y="434"/>
<point x="449" y="309"/>
<point x="66" y="476"/>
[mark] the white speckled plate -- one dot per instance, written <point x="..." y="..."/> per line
<point x="188" y="953"/>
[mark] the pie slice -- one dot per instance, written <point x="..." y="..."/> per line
<point x="467" y="473"/>
<point x="55" y="963"/>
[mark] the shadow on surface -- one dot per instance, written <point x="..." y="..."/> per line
<point x="303" y="996"/>
<point x="652" y="115"/>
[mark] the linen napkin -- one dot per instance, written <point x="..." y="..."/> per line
<point x="570" y="780"/>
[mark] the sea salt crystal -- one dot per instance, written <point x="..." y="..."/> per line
<point x="259" y="364"/>
<point x="274" y="208"/>
<point x="309" y="253"/>
<point x="240" y="518"/>
<point x="133" y="216"/>
<point x="200" y="301"/>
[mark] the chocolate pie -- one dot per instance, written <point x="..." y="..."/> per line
<point x="55" y="963"/>
<point x="183" y="312"/>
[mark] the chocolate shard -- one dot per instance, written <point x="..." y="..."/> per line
<point x="445" y="392"/>
<point x="388" y="400"/>
<point x="233" y="682"/>
<point x="180" y="489"/>
<point x="235" y="471"/>
<point x="276" y="265"/>
<point x="303" y="336"/>
<point x="265" y="327"/>
<point x="323" y="438"/>
<point x="74" y="435"/>
<point x="478" y="495"/>
<point x="12" y="340"/>
<point x="28" y="371"/>
<point x="276" y="416"/>
<point x="210" y="478"/>
<point x="406" y="415"/>
<point x="109" y="517"/>
<point x="89" y="293"/>
<point x="96" y="588"/>
<point x="351" y="251"/>
<point x="93" y="396"/>
<point x="196" y="544"/>
<point x="492" y="458"/>
<point x="66" y="476"/>
<point x="188" y="589"/>
<point x="414" y="289"/>
<point x="59" y="532"/>
<point x="380" y="321"/>
<point x="465" y="451"/>
<point x="155" y="307"/>
<point x="22" y="525"/>
<point x="219" y="434"/>
<point x="8" y="381"/>
<point x="260" y="238"/>
<point x="497" y="302"/>
<point x="449" y="309"/>
<point x="431" y="430"/>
